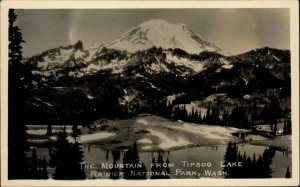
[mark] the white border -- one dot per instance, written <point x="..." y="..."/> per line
<point x="35" y="4"/>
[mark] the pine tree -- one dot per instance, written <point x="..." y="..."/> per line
<point x="254" y="112"/>
<point x="288" y="122"/>
<point x="49" y="130"/>
<point x="18" y="167"/>
<point x="66" y="158"/>
<point x="225" y="118"/>
<point x="200" y="120"/>
<point x="208" y="116"/>
<point x="131" y="156"/>
<point x="115" y="171"/>
<point x="231" y="155"/>
<point x="271" y="113"/>
<point x="43" y="171"/>
<point x="75" y="132"/>
<point x="143" y="171"/>
<point x="167" y="169"/>
<point x="160" y="169"/>
<point x="153" y="168"/>
<point x="60" y="157"/>
<point x="288" y="174"/>
<point x="265" y="167"/>
<point x="34" y="173"/>
<point x="76" y="159"/>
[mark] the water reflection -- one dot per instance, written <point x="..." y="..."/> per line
<point x="115" y="171"/>
<point x="159" y="168"/>
<point x="249" y="136"/>
<point x="134" y="169"/>
<point x="257" y="161"/>
<point x="238" y="165"/>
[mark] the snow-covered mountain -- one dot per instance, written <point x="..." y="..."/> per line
<point x="154" y="47"/>
<point x="172" y="44"/>
<point x="163" y="34"/>
<point x="137" y="72"/>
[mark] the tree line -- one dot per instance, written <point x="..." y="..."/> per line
<point x="252" y="167"/>
<point x="240" y="116"/>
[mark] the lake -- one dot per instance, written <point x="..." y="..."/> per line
<point x="189" y="162"/>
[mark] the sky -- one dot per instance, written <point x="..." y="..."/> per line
<point x="234" y="30"/>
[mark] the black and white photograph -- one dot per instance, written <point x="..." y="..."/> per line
<point x="149" y="94"/>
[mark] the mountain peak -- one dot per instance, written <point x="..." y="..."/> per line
<point x="160" y="33"/>
<point x="155" y="21"/>
<point x="78" y="45"/>
<point x="160" y="23"/>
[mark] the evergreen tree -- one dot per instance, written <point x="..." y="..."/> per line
<point x="208" y="116"/>
<point x="143" y="171"/>
<point x="34" y="173"/>
<point x="76" y="160"/>
<point x="75" y="132"/>
<point x="18" y="167"/>
<point x="43" y="171"/>
<point x="60" y="157"/>
<point x="288" y="174"/>
<point x="271" y="113"/>
<point x="167" y="170"/>
<point x="153" y="168"/>
<point x="275" y="113"/>
<point x="115" y="171"/>
<point x="284" y="126"/>
<point x="225" y="118"/>
<point x="238" y="117"/>
<point x="66" y="158"/>
<point x="266" y="171"/>
<point x="131" y="156"/>
<point x="287" y="128"/>
<point x="49" y="130"/>
<point x="231" y="155"/>
<point x="160" y="169"/>
<point x="254" y="112"/>
<point x="200" y="120"/>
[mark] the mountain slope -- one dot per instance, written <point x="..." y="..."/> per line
<point x="160" y="33"/>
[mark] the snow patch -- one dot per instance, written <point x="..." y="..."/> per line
<point x="147" y="147"/>
<point x="189" y="108"/>
<point x="276" y="58"/>
<point x="37" y="131"/>
<point x="194" y="65"/>
<point x="38" y="140"/>
<point x="159" y="68"/>
<point x="166" y="142"/>
<point x="171" y="98"/>
<point x="89" y="96"/>
<point x="145" y="140"/>
<point x="95" y="136"/>
<point x="226" y="64"/>
<point x="48" y="104"/>
<point x="79" y="54"/>
<point x="211" y="132"/>
<point x="141" y="121"/>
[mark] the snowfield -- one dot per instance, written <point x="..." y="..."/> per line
<point x="158" y="32"/>
<point x="145" y="141"/>
<point x="166" y="142"/>
<point x="153" y="133"/>
<point x="194" y="65"/>
<point x="37" y="132"/>
<point x="95" y="137"/>
<point x="217" y="132"/>
<point x="42" y="129"/>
